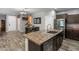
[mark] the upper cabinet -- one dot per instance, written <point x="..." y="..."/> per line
<point x="73" y="19"/>
<point x="62" y="16"/>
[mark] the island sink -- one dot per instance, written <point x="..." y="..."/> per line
<point x="52" y="32"/>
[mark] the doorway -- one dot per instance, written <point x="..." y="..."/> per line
<point x="2" y="25"/>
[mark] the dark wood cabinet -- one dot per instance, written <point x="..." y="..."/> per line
<point x="48" y="46"/>
<point x="73" y="19"/>
<point x="57" y="41"/>
<point x="31" y="29"/>
<point x="73" y="27"/>
<point x="69" y="33"/>
<point x="73" y="34"/>
<point x="61" y="16"/>
<point x="76" y="34"/>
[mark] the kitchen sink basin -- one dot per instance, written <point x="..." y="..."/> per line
<point x="52" y="32"/>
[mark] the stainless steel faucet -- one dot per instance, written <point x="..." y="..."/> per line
<point x="48" y="27"/>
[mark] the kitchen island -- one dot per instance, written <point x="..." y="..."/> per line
<point x="44" y="41"/>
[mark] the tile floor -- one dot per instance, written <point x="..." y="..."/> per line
<point x="14" y="41"/>
<point x="69" y="45"/>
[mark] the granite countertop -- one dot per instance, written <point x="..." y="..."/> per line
<point x="40" y="37"/>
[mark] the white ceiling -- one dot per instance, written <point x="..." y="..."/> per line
<point x="8" y="11"/>
<point x="15" y="11"/>
<point x="65" y="9"/>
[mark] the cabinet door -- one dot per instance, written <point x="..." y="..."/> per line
<point x="54" y="44"/>
<point x="48" y="46"/>
<point x="75" y="35"/>
<point x="57" y="41"/>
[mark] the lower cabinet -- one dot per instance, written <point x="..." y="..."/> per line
<point x="57" y="42"/>
<point x="31" y="29"/>
<point x="48" y="46"/>
<point x="73" y="34"/>
<point x="52" y="44"/>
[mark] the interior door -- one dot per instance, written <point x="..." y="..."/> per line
<point x="11" y="23"/>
